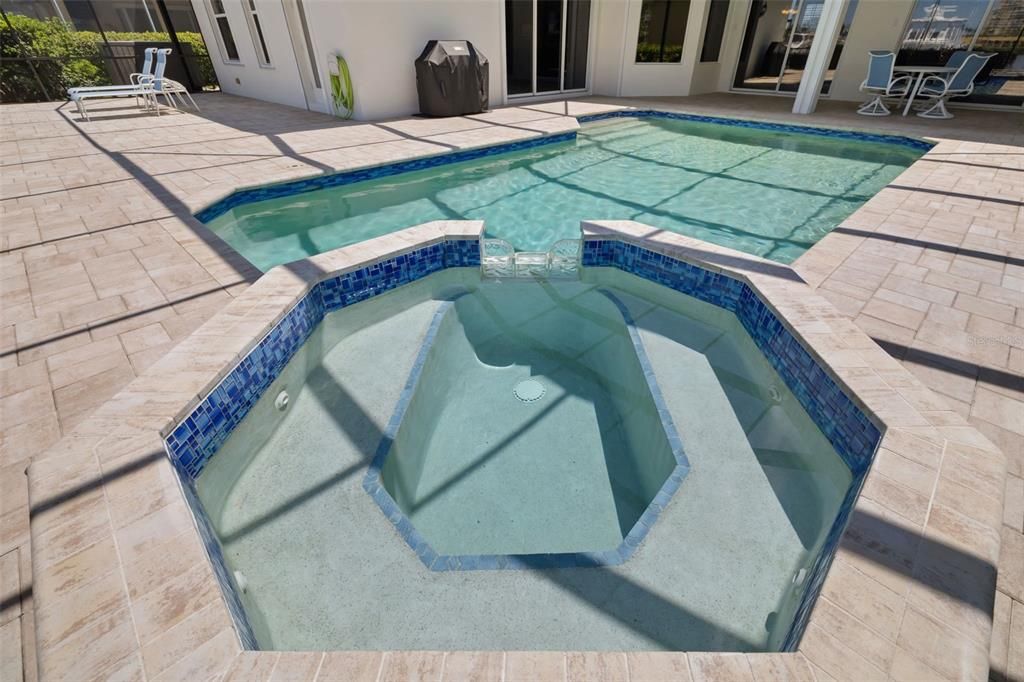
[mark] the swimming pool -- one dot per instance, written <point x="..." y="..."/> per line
<point x="726" y="562"/>
<point x="768" y="190"/>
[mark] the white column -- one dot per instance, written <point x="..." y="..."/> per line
<point x="818" y="57"/>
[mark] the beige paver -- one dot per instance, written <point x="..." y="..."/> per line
<point x="541" y="666"/>
<point x="122" y="259"/>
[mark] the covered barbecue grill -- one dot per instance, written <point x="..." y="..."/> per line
<point x="451" y="79"/>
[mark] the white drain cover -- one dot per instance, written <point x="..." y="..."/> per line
<point x="529" y="390"/>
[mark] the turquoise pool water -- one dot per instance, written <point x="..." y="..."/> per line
<point x="773" y="194"/>
<point x="722" y="569"/>
<point x="548" y="439"/>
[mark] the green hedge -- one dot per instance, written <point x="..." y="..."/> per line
<point x="649" y="52"/>
<point x="73" y="58"/>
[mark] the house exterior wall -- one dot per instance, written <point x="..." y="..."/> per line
<point x="277" y="83"/>
<point x="380" y="39"/>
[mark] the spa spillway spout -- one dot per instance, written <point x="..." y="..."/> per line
<point x="498" y="259"/>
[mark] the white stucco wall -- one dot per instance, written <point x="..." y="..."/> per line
<point x="278" y="83"/>
<point x="617" y="71"/>
<point x="380" y="39"/>
<point x="608" y="41"/>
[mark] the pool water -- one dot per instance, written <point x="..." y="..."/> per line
<point x="718" y="570"/>
<point x="768" y="193"/>
<point x="532" y="429"/>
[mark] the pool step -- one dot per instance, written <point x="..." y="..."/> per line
<point x="499" y="259"/>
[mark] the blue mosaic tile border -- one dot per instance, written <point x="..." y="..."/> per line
<point x="848" y="429"/>
<point x="819" y="569"/>
<point x="284" y="189"/>
<point x="197" y="437"/>
<point x="901" y="140"/>
<point x="220" y="567"/>
<point x="475" y="562"/>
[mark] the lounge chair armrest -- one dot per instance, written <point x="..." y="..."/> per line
<point x="934" y="83"/>
<point x="899" y="82"/>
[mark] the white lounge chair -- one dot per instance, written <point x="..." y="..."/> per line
<point x="142" y="89"/>
<point x="147" y="87"/>
<point x="169" y="89"/>
<point x="960" y="84"/>
<point x="881" y="84"/>
<point x="134" y="79"/>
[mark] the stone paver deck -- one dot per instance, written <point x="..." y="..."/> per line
<point x="104" y="270"/>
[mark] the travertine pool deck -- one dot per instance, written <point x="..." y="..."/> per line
<point x="104" y="271"/>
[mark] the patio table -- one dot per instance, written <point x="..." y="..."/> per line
<point x="921" y="72"/>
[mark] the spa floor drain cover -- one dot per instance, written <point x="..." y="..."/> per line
<point x="529" y="390"/>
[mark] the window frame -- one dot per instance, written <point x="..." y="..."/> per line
<point x="534" y="94"/>
<point x="259" y="38"/>
<point x="218" y="34"/>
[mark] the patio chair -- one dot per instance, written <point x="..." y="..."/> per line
<point x="143" y="88"/>
<point x="133" y="78"/>
<point x="881" y="84"/>
<point x="169" y="89"/>
<point x="147" y="87"/>
<point x="960" y="84"/>
<point x="956" y="59"/>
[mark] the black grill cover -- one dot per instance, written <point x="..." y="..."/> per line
<point x="451" y="79"/>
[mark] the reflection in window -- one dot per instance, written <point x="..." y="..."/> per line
<point x="662" y="28"/>
<point x="1002" y="79"/>
<point x="577" y="19"/>
<point x="938" y="28"/>
<point x="714" y="30"/>
<point x="519" y="46"/>
<point x="776" y="44"/>
<point x="262" y="53"/>
<point x="227" y="40"/>
<point x="549" y="44"/>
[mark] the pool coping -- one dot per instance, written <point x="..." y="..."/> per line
<point x="119" y="590"/>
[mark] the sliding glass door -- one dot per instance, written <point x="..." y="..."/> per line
<point x="776" y="43"/>
<point x="938" y="28"/>
<point x="546" y="46"/>
<point x="775" y="46"/>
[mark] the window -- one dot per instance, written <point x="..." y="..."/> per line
<point x="938" y="28"/>
<point x="662" y="28"/>
<point x="714" y="30"/>
<point x="227" y="41"/>
<point x="262" y="53"/>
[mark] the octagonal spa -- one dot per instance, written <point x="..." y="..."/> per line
<point x="640" y="456"/>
